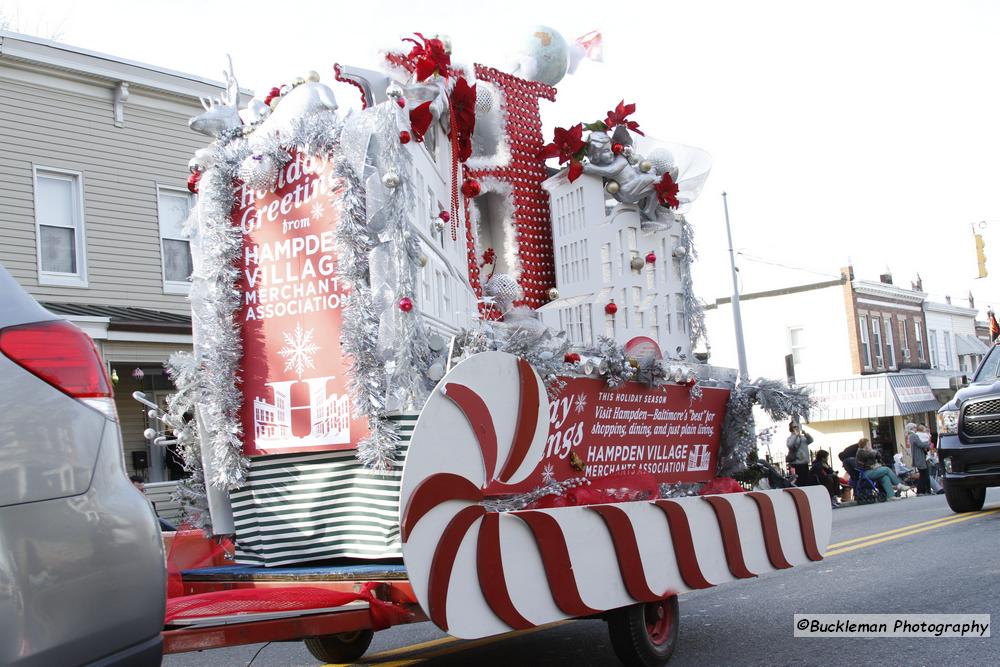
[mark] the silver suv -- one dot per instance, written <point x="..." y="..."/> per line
<point x="82" y="577"/>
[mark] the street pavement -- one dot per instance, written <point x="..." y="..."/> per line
<point x="950" y="566"/>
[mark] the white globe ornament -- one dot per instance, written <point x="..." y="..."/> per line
<point x="679" y="252"/>
<point x="312" y="76"/>
<point x="612" y="187"/>
<point x="437" y="224"/>
<point x="645" y="166"/>
<point x="149" y="434"/>
<point x="546" y="56"/>
<point x="390" y="180"/>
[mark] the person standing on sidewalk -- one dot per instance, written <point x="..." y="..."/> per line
<point x="920" y="443"/>
<point x="798" y="453"/>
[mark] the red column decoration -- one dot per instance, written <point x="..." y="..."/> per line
<point x="525" y="173"/>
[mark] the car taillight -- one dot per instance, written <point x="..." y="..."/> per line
<point x="65" y="357"/>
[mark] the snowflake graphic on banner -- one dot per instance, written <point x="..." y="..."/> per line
<point x="317" y="211"/>
<point x="548" y="474"/>
<point x="581" y="402"/>
<point x="298" y="350"/>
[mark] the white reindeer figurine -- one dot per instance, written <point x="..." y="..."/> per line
<point x="222" y="113"/>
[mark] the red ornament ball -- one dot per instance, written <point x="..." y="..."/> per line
<point x="691" y="382"/>
<point x="470" y="188"/>
<point x="193" y="181"/>
<point x="404" y="137"/>
<point x="617" y="148"/>
<point x="651" y="258"/>
<point x="445" y="215"/>
<point x="572" y="358"/>
<point x="406" y="304"/>
<point x="401" y="101"/>
<point x="611" y="308"/>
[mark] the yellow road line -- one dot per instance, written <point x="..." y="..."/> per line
<point x="412" y="648"/>
<point x="890" y="532"/>
<point x="464" y="646"/>
<point x="954" y="520"/>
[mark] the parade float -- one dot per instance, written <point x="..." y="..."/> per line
<point x="443" y="369"/>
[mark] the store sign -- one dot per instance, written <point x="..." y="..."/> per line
<point x="916" y="394"/>
<point x="595" y="431"/>
<point x="294" y="376"/>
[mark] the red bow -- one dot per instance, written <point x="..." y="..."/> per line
<point x="463" y="116"/>
<point x="420" y="120"/>
<point x="428" y="58"/>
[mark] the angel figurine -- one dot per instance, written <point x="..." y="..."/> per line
<point x="634" y="186"/>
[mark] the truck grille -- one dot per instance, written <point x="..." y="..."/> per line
<point x="981" y="419"/>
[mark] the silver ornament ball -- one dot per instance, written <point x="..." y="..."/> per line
<point x="552" y="293"/>
<point x="437" y="224"/>
<point x="259" y="172"/>
<point x="612" y="187"/>
<point x="394" y="91"/>
<point x="637" y="263"/>
<point x="663" y="162"/>
<point x="436" y="371"/>
<point x="312" y="76"/>
<point x="390" y="180"/>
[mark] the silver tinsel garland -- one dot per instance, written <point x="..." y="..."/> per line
<point x="191" y="491"/>
<point x="692" y="304"/>
<point x="215" y="298"/>
<point x="739" y="436"/>
<point x="614" y="366"/>
<point x="543" y="348"/>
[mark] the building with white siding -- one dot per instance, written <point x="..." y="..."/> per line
<point x="93" y="157"/>
<point x="862" y="346"/>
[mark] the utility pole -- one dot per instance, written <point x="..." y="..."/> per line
<point x="741" y="352"/>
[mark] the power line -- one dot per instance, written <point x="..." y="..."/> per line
<point x="761" y="260"/>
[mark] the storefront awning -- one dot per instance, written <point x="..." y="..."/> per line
<point x="871" y="396"/>
<point x="966" y="344"/>
<point x="913" y="393"/>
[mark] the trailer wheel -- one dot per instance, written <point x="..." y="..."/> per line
<point x="645" y="635"/>
<point x="345" y="647"/>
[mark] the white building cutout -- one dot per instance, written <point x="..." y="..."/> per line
<point x="329" y="416"/>
<point x="595" y="243"/>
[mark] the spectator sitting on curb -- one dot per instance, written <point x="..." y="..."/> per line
<point x="879" y="473"/>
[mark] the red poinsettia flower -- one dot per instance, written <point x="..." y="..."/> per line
<point x="666" y="191"/>
<point x="428" y="58"/>
<point x="420" y="120"/>
<point x="566" y="145"/>
<point x="619" y="116"/>
<point x="463" y="116"/>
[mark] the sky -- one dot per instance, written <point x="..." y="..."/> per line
<point x="862" y="132"/>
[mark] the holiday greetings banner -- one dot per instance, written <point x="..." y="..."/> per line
<point x="597" y="432"/>
<point x="295" y="392"/>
